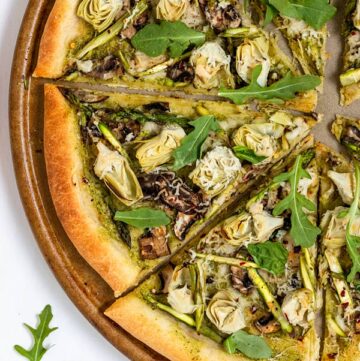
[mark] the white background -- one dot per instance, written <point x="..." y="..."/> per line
<point x="27" y="283"/>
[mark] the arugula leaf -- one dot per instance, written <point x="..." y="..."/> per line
<point x="271" y="256"/>
<point x="271" y="12"/>
<point x="353" y="242"/>
<point x="251" y="346"/>
<point x="143" y="217"/>
<point x="314" y="12"/>
<point x="302" y="230"/>
<point x="40" y="333"/>
<point x="190" y="148"/>
<point x="155" y="39"/>
<point x="244" y="153"/>
<point x="285" y="88"/>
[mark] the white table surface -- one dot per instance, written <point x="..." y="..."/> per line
<point x="27" y="283"/>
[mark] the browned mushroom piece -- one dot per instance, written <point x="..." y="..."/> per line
<point x="105" y="69"/>
<point x="154" y="244"/>
<point x="267" y="324"/>
<point x="183" y="222"/>
<point x="357" y="322"/>
<point x="240" y="280"/>
<point x="166" y="276"/>
<point x="220" y="16"/>
<point x="181" y="72"/>
<point x="87" y="96"/>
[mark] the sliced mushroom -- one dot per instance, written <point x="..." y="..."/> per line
<point x="267" y="324"/>
<point x="105" y="69"/>
<point x="240" y="280"/>
<point x="357" y="322"/>
<point x="88" y="97"/>
<point x="165" y="276"/>
<point x="220" y="15"/>
<point x="183" y="222"/>
<point x="154" y="244"/>
<point x="181" y="72"/>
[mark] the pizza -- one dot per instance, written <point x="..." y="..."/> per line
<point x="350" y="77"/>
<point x="249" y="285"/>
<point x="182" y="166"/>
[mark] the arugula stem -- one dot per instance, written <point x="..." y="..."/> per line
<point x="226" y="260"/>
<point x="269" y="299"/>
<point x="113" y="30"/>
<point x="204" y="330"/>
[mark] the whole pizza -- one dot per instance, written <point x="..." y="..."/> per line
<point x="182" y="165"/>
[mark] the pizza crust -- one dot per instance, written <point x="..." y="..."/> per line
<point x="349" y="94"/>
<point x="72" y="200"/>
<point x="179" y="342"/>
<point x="61" y="29"/>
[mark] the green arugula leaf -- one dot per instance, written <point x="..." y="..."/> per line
<point x="353" y="242"/>
<point x="143" y="217"/>
<point x="190" y="148"/>
<point x="251" y="346"/>
<point x="244" y="153"/>
<point x="302" y="230"/>
<point x="176" y="37"/>
<point x="271" y="12"/>
<point x="284" y="89"/>
<point x="39" y="334"/>
<point x="271" y="256"/>
<point x="314" y="12"/>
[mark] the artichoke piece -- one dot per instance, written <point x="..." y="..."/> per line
<point x="180" y="296"/>
<point x="356" y="17"/>
<point x="216" y="170"/>
<point x="99" y="13"/>
<point x="212" y="67"/>
<point x="171" y="10"/>
<point x="157" y="151"/>
<point x="260" y="138"/>
<point x="115" y="171"/>
<point x="265" y="225"/>
<point x="250" y="54"/>
<point x="297" y="307"/>
<point x="226" y="311"/>
<point x="238" y="229"/>
<point x="345" y="184"/>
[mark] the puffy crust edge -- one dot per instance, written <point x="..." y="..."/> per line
<point x="62" y="27"/>
<point x="179" y="342"/>
<point x="72" y="199"/>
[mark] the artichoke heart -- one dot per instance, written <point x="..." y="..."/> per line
<point x="297" y="307"/>
<point x="334" y="226"/>
<point x="180" y="296"/>
<point x="238" y="229"/>
<point x="345" y="184"/>
<point x="250" y="54"/>
<point x="115" y="171"/>
<point x="356" y="17"/>
<point x="300" y="129"/>
<point x="260" y="138"/>
<point x="171" y="10"/>
<point x="157" y="151"/>
<point x="216" y="170"/>
<point x="212" y="66"/>
<point x="99" y="13"/>
<point x="265" y="225"/>
<point x="225" y="311"/>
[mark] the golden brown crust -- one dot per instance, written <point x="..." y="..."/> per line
<point x="179" y="342"/>
<point x="62" y="27"/>
<point x="72" y="199"/>
<point x="349" y="94"/>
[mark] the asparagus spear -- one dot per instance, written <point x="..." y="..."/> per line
<point x="199" y="296"/>
<point x="123" y="22"/>
<point x="269" y="299"/>
<point x="226" y="260"/>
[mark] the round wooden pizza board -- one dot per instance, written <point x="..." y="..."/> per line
<point x="85" y="288"/>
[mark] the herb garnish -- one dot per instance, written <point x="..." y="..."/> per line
<point x="284" y="89"/>
<point x="190" y="148"/>
<point x="271" y="256"/>
<point x="352" y="241"/>
<point x="39" y="334"/>
<point x="176" y="37"/>
<point x="143" y="217"/>
<point x="251" y="346"/>
<point x="244" y="153"/>
<point x="302" y="230"/>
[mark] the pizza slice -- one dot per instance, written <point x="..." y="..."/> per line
<point x="248" y="289"/>
<point x="350" y="77"/>
<point x="347" y="132"/>
<point x="339" y="262"/>
<point x="135" y="177"/>
<point x="164" y="45"/>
